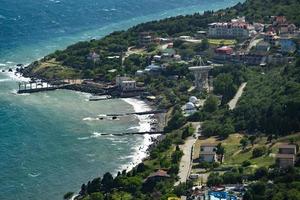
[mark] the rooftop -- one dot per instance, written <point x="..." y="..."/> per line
<point x="159" y="173"/>
<point x="207" y="153"/>
<point x="195" y="68"/>
<point x="209" y="145"/>
<point x="285" y="156"/>
<point x="287" y="146"/>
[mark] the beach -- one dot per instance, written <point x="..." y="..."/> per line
<point x="141" y="150"/>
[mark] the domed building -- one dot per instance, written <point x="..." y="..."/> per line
<point x="193" y="99"/>
<point x="190" y="106"/>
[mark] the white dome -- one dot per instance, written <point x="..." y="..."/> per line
<point x="193" y="99"/>
<point x="189" y="106"/>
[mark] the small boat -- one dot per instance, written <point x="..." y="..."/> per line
<point x="99" y="98"/>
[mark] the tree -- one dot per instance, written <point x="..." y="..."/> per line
<point x="140" y="168"/>
<point x="247" y="196"/>
<point x="96" y="196"/>
<point x="107" y="182"/>
<point x="188" y="131"/>
<point x="210" y="128"/>
<point x="259" y="151"/>
<point x="176" y="156"/>
<point x="227" y="129"/>
<point x="261" y="172"/>
<point x="252" y="139"/>
<point x="224" y="85"/>
<point x="244" y="143"/>
<point x="214" y="180"/>
<point x="68" y="195"/>
<point x="94" y="186"/>
<point x="220" y="151"/>
<point x="211" y="104"/>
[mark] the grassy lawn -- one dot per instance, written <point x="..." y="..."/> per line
<point x="235" y="155"/>
<point x="221" y="41"/>
<point x="53" y="69"/>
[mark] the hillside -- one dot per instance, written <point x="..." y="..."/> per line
<point x="73" y="63"/>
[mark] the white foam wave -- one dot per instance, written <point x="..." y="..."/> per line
<point x="140" y="151"/>
<point x="33" y="175"/>
<point x="90" y="119"/>
<point x="83" y="138"/>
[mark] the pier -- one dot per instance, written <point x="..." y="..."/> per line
<point x="41" y="86"/>
<point x="137" y="113"/>
<point x="135" y="133"/>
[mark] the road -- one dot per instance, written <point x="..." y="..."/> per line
<point x="232" y="104"/>
<point x="186" y="160"/>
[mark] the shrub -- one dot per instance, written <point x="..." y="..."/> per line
<point x="246" y="163"/>
<point x="68" y="195"/>
<point x="259" y="151"/>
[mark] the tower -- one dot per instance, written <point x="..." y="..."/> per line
<point x="201" y="75"/>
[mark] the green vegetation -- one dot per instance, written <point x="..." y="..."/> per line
<point x="269" y="107"/>
<point x="221" y="42"/>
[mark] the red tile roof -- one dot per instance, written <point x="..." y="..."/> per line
<point x="159" y="173"/>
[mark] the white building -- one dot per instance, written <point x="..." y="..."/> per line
<point x="125" y="83"/>
<point x="208" y="157"/>
<point x="236" y="29"/>
<point x="208" y="153"/>
<point x="209" y="147"/>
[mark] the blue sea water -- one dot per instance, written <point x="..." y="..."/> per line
<point x="49" y="144"/>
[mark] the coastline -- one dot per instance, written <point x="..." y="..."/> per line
<point x="141" y="151"/>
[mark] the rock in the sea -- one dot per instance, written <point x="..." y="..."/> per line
<point x="10" y="70"/>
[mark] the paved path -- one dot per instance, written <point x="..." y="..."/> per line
<point x="186" y="160"/>
<point x="233" y="102"/>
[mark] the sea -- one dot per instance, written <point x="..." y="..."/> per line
<point x="52" y="142"/>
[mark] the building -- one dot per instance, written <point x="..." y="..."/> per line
<point x="153" y="69"/>
<point x="270" y="37"/>
<point x="93" y="56"/>
<point x="285" y="160"/>
<point x="125" y="83"/>
<point x="286" y="156"/>
<point x="208" y="147"/>
<point x="223" y="53"/>
<point x="236" y="29"/>
<point x="262" y="48"/>
<point x="208" y="153"/>
<point x="145" y="38"/>
<point x="225" y="50"/>
<point x="287" y="45"/>
<point x="208" y="157"/>
<point x="159" y="175"/>
<point x="287" y="149"/>
<point x="279" y="20"/>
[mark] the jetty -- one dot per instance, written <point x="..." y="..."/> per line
<point x="41" y="86"/>
<point x="135" y="133"/>
<point x="137" y="113"/>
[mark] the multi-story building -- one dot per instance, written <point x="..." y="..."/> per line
<point x="232" y="30"/>
<point x="286" y="156"/>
